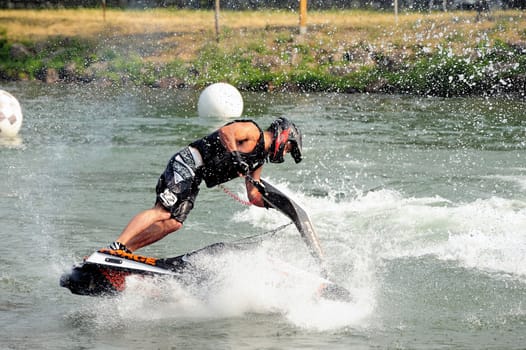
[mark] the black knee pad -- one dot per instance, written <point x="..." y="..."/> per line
<point x="181" y="211"/>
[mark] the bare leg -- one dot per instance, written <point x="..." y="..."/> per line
<point x="148" y="227"/>
<point x="153" y="233"/>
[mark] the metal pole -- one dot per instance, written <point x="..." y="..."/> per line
<point x="303" y="16"/>
<point x="104" y="10"/>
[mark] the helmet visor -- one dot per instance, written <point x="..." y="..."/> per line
<point x="296" y="152"/>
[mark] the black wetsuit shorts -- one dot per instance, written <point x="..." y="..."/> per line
<point x="178" y="185"/>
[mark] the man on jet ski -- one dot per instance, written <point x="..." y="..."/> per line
<point x="239" y="148"/>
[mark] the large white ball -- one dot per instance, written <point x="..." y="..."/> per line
<point x="220" y="100"/>
<point x="10" y="115"/>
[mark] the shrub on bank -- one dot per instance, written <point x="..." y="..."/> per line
<point x="31" y="60"/>
<point x="294" y="67"/>
<point x="490" y="70"/>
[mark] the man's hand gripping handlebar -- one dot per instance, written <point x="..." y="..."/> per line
<point x="257" y="184"/>
<point x="260" y="186"/>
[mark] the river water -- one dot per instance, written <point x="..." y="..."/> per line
<point x="420" y="205"/>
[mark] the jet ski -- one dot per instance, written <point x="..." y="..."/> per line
<point x="104" y="272"/>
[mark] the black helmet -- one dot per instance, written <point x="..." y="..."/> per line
<point x="284" y="131"/>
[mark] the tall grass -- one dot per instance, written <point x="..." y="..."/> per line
<point x="347" y="26"/>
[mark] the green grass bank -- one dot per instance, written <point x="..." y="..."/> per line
<point x="441" y="54"/>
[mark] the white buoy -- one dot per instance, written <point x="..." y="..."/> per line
<point x="10" y="115"/>
<point x="220" y="100"/>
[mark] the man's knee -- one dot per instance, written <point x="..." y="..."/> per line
<point x="171" y="225"/>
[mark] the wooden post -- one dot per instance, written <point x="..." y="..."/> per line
<point x="396" y="11"/>
<point x="104" y="10"/>
<point x="303" y="17"/>
<point x="216" y="16"/>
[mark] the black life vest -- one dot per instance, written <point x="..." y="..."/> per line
<point x="218" y="166"/>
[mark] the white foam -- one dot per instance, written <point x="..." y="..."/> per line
<point x="359" y="236"/>
<point x="517" y="179"/>
<point x="241" y="282"/>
